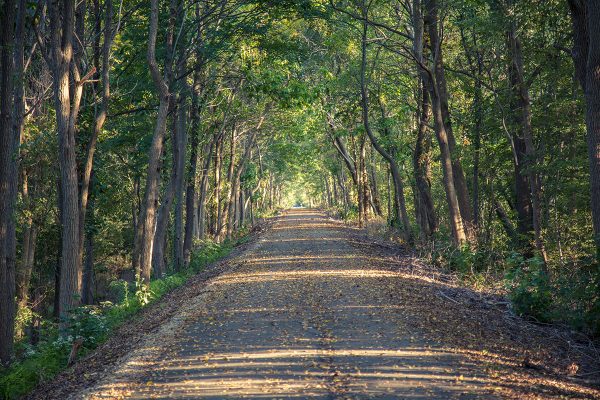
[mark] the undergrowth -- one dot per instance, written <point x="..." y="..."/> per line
<point x="93" y="325"/>
<point x="565" y="293"/>
<point x="552" y="293"/>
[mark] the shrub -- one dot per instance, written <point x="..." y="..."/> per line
<point x="529" y="288"/>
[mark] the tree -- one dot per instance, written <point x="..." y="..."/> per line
<point x="586" y="55"/>
<point x="8" y="156"/>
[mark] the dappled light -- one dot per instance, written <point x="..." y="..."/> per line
<point x="305" y="315"/>
<point x="332" y="199"/>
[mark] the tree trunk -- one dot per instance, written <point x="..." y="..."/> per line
<point x="523" y="104"/>
<point x="191" y="196"/>
<point x="455" y="217"/>
<point x="374" y="188"/>
<point x="142" y="255"/>
<point x="586" y="55"/>
<point x="478" y="110"/>
<point x="100" y="119"/>
<point x="164" y="212"/>
<point x="87" y="290"/>
<point x="398" y="184"/>
<point x="458" y="174"/>
<point x="181" y="141"/>
<point x="425" y="209"/>
<point x="227" y="213"/>
<point x="203" y="191"/>
<point x="67" y="110"/>
<point x="28" y="252"/>
<point x="7" y="159"/>
<point x="217" y="189"/>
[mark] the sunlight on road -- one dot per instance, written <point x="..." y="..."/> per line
<point x="306" y="315"/>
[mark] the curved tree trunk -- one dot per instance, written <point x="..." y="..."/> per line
<point x="400" y="200"/>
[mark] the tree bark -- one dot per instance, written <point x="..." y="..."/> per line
<point x="586" y="55"/>
<point x="528" y="162"/>
<point x="164" y="211"/>
<point x="203" y="190"/>
<point x="181" y="141"/>
<point x="459" y="234"/>
<point x="142" y="255"/>
<point x="28" y="251"/>
<point x="191" y="195"/>
<point x="67" y="103"/>
<point x="7" y="159"/>
<point x="425" y="208"/>
<point x="434" y="27"/>
<point x="99" y="122"/>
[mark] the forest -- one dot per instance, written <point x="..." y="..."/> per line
<point x="142" y="140"/>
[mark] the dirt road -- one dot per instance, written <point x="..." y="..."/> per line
<point x="309" y="311"/>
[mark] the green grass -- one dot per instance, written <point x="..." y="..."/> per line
<point x="94" y="324"/>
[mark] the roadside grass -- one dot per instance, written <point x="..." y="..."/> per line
<point x="93" y="325"/>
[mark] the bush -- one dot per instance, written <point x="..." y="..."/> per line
<point x="464" y="260"/>
<point x="88" y="323"/>
<point x="529" y="288"/>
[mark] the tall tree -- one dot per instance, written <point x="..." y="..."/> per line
<point x="586" y="55"/>
<point x="142" y="254"/>
<point x="7" y="178"/>
<point x="399" y="199"/>
<point x="438" y="93"/>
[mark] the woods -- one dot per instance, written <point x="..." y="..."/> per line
<point x="138" y="139"/>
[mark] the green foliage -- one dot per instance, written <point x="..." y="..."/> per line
<point x="88" y="323"/>
<point x="467" y="262"/>
<point x="529" y="288"/>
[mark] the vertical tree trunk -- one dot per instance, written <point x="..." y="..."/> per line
<point x="586" y="55"/>
<point x="7" y="158"/>
<point x="181" y="141"/>
<point x="28" y="252"/>
<point x="523" y="104"/>
<point x="458" y="174"/>
<point x="592" y="97"/>
<point x="425" y="209"/>
<point x="459" y="234"/>
<point x="66" y="105"/>
<point x="27" y="263"/>
<point x="164" y="211"/>
<point x="227" y="213"/>
<point x="100" y="119"/>
<point x="374" y="187"/>
<point x="30" y="231"/>
<point x="87" y="289"/>
<point x="142" y="256"/>
<point x="478" y="111"/>
<point x="204" y="188"/>
<point x="191" y="196"/>
<point x="217" y="189"/>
